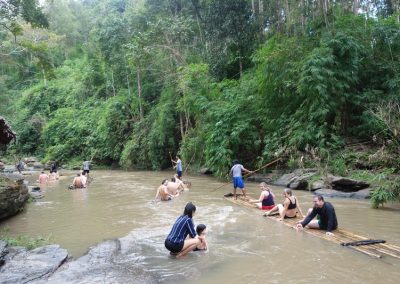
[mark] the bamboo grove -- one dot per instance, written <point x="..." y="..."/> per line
<point x="213" y="80"/>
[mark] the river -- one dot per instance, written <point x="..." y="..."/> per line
<point x="244" y="246"/>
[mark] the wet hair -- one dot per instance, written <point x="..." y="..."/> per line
<point x="164" y="180"/>
<point x="235" y="162"/>
<point x="319" y="197"/>
<point x="83" y="172"/>
<point x="200" y="228"/>
<point x="189" y="209"/>
<point x="288" y="191"/>
<point x="78" y="174"/>
<point x="173" y="179"/>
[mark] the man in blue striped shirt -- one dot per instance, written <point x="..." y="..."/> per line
<point x="176" y="241"/>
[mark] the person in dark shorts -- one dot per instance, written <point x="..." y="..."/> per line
<point x="176" y="241"/>
<point x="326" y="217"/>
<point x="86" y="167"/>
<point x="178" y="166"/>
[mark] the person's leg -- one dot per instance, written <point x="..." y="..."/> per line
<point x="244" y="193"/>
<point x="269" y="212"/>
<point x="313" y="224"/>
<point x="308" y="213"/>
<point x="188" y="246"/>
<point x="234" y="193"/>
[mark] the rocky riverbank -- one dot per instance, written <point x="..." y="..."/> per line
<point x="112" y="261"/>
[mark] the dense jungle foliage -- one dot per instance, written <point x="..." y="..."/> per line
<point x="130" y="81"/>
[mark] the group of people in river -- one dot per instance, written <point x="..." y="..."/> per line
<point x="170" y="189"/>
<point x="81" y="180"/>
<point x="52" y="176"/>
<point x="321" y="216"/>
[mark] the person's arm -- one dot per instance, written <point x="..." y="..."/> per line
<point x="157" y="194"/>
<point x="285" y="208"/>
<point x="246" y="170"/>
<point x="331" y="217"/>
<point x="299" y="208"/>
<point x="259" y="200"/>
<point x="190" y="226"/>
<point x="309" y="218"/>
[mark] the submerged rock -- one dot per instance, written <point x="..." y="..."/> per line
<point x="25" y="266"/>
<point x="104" y="263"/>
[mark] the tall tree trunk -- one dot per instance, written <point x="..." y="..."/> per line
<point x="356" y="5"/>
<point x="261" y="15"/>
<point x="139" y="89"/>
<point x="112" y="82"/>
<point x="181" y="125"/>
<point x="44" y="77"/>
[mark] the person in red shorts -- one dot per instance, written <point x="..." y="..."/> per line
<point x="267" y="198"/>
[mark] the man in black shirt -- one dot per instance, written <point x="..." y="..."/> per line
<point x="326" y="219"/>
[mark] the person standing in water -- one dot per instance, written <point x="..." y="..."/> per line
<point x="178" y="166"/>
<point x="236" y="173"/>
<point x="176" y="241"/>
<point x="86" y="167"/>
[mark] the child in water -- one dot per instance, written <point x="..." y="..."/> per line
<point x="201" y="235"/>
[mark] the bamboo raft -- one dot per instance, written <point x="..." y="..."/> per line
<point x="341" y="236"/>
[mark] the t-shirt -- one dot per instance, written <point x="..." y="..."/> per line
<point x="179" y="165"/>
<point x="86" y="165"/>
<point x="183" y="226"/>
<point x="236" y="170"/>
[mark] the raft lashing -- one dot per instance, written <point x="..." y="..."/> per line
<point x="371" y="247"/>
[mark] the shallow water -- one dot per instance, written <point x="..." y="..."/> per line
<point x="244" y="246"/>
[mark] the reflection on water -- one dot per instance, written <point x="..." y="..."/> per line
<point x="244" y="246"/>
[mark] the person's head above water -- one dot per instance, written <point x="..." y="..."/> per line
<point x="200" y="228"/>
<point x="189" y="210"/>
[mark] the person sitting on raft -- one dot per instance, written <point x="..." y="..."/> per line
<point x="201" y="235"/>
<point x="177" y="242"/>
<point x="77" y="182"/>
<point x="267" y="198"/>
<point x="289" y="208"/>
<point x="162" y="192"/>
<point x="326" y="217"/>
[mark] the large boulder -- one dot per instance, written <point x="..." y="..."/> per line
<point x="6" y="134"/>
<point x="361" y="194"/>
<point x="346" y="184"/>
<point x="25" y="266"/>
<point x="296" y="180"/>
<point x="206" y="171"/>
<point x="13" y="195"/>
<point x="104" y="263"/>
<point x="260" y="178"/>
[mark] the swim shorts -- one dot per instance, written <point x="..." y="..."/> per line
<point x="238" y="182"/>
<point x="173" y="247"/>
<point x="268" y="207"/>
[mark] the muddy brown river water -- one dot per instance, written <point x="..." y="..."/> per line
<point x="244" y="246"/>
